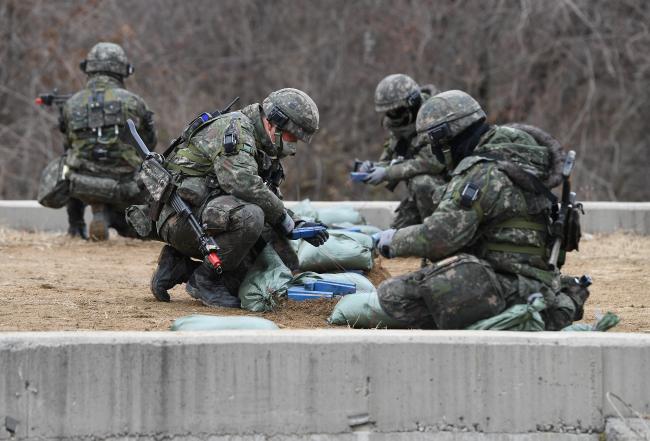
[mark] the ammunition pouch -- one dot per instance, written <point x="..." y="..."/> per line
<point x="459" y="291"/>
<point x="53" y="189"/>
<point x="137" y="216"/>
<point x="577" y="289"/>
<point x="157" y="180"/>
<point x="573" y="231"/>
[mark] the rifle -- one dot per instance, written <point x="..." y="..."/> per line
<point x="568" y="202"/>
<point x="49" y="98"/>
<point x="159" y="184"/>
<point x="195" y="124"/>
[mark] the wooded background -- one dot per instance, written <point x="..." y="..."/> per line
<point x="579" y="69"/>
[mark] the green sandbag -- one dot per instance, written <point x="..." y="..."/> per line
<point x="362" y="311"/>
<point x="304" y="209"/>
<point x="343" y="251"/>
<point x="264" y="279"/>
<point x="608" y="321"/>
<point x="361" y="282"/>
<point x="217" y="323"/>
<point x="516" y="318"/>
<point x="336" y="215"/>
<point x="329" y="216"/>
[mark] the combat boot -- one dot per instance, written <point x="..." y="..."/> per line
<point x="208" y="287"/>
<point x="173" y="268"/>
<point x="78" y="229"/>
<point x="99" y="224"/>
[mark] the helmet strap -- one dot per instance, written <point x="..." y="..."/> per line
<point x="277" y="141"/>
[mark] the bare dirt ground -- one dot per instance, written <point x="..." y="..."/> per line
<point x="51" y="282"/>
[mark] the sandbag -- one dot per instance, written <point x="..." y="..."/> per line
<point x="524" y="317"/>
<point x="343" y="251"/>
<point x="265" y="279"/>
<point x="199" y="322"/>
<point x="336" y="215"/>
<point x="53" y="186"/>
<point x="608" y="321"/>
<point x="362" y="311"/>
<point x="329" y="216"/>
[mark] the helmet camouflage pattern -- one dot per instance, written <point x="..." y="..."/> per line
<point x="292" y="110"/>
<point x="395" y="91"/>
<point x="108" y="57"/>
<point x="454" y="107"/>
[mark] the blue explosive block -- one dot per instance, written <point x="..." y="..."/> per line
<point x="306" y="232"/>
<point x="358" y="176"/>
<point x="299" y="293"/>
<point x="333" y="287"/>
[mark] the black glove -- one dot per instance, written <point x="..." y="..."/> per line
<point x="318" y="239"/>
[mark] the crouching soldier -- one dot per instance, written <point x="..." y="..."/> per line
<point x="102" y="165"/>
<point x="405" y="159"/>
<point x="228" y="171"/>
<point x="489" y="236"/>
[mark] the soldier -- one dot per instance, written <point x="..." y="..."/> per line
<point x="488" y="237"/>
<point x="229" y="172"/>
<point x="399" y="97"/>
<point x="101" y="164"/>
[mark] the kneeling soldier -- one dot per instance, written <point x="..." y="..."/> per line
<point x="228" y="170"/>
<point x="489" y="236"/>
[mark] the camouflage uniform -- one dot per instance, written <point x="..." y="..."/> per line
<point x="102" y="164"/>
<point x="406" y="158"/>
<point x="488" y="236"/>
<point x="229" y="171"/>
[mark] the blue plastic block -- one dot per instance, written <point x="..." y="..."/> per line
<point x="299" y="293"/>
<point x="333" y="287"/>
<point x="306" y="232"/>
<point x="358" y="176"/>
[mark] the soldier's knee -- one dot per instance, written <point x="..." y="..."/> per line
<point x="423" y="184"/>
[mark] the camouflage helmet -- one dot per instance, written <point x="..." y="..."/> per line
<point x="292" y="110"/>
<point x="395" y="91"/>
<point x="107" y="57"/>
<point x="448" y="114"/>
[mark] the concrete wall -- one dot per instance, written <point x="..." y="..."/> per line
<point x="600" y="217"/>
<point x="318" y="385"/>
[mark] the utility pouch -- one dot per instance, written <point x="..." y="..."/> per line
<point x="577" y="289"/>
<point x="93" y="188"/>
<point x="573" y="230"/>
<point x="459" y="291"/>
<point x="157" y="180"/>
<point x="137" y="216"/>
<point x="193" y="190"/>
<point x="53" y="187"/>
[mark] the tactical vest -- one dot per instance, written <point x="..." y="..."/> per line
<point x="96" y="120"/>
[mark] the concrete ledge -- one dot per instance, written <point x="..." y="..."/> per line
<point x="318" y="385"/>
<point x="600" y="217"/>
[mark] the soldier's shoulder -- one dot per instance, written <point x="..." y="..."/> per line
<point x="233" y="127"/>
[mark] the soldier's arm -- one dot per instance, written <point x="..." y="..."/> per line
<point x="424" y="162"/>
<point x="238" y="175"/>
<point x="453" y="225"/>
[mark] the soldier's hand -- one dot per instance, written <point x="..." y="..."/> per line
<point x="317" y="240"/>
<point x="376" y="176"/>
<point x="384" y="239"/>
<point x="366" y="167"/>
